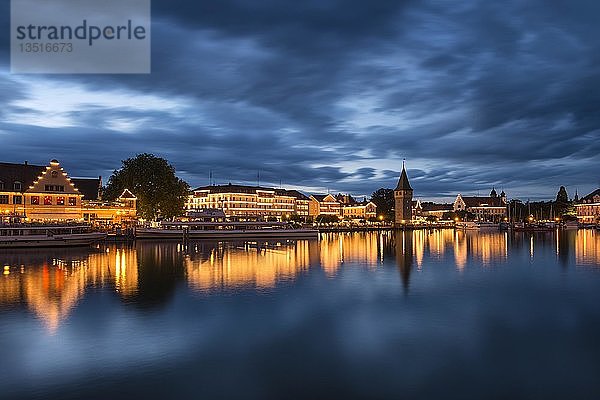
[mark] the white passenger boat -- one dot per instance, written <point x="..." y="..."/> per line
<point x="476" y="226"/>
<point x="30" y="235"/>
<point x="224" y="230"/>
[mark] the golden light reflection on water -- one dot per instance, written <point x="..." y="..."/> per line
<point x="245" y="265"/>
<point x="50" y="283"/>
<point x="335" y="249"/>
<point x="587" y="248"/>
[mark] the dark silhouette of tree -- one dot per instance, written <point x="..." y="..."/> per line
<point x="384" y="200"/>
<point x="152" y="180"/>
<point x="562" y="196"/>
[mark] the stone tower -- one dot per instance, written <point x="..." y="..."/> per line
<point x="403" y="199"/>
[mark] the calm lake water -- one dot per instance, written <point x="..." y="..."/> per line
<point x="438" y="314"/>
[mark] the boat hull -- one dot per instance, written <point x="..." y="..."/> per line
<point x="226" y="234"/>
<point x="33" y="241"/>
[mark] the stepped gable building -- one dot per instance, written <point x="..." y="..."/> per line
<point x="38" y="193"/>
<point x="249" y="202"/>
<point x="588" y="208"/>
<point x="403" y="199"/>
<point x="491" y="208"/>
<point x="47" y="193"/>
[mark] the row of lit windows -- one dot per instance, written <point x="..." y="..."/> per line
<point x="16" y="186"/>
<point x="35" y="200"/>
<point x="55" y="188"/>
<point x="588" y="210"/>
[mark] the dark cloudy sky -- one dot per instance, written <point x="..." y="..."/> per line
<point x="332" y="94"/>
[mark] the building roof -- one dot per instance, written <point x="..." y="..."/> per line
<point x="436" y="207"/>
<point x="90" y="188"/>
<point x="229" y="188"/>
<point x="346" y="199"/>
<point x="476" y="201"/>
<point x="244" y="189"/>
<point x="403" y="183"/>
<point x="127" y="195"/>
<point x="25" y="173"/>
<point x="291" y="193"/>
<point x="321" y="197"/>
<point x="590" y="197"/>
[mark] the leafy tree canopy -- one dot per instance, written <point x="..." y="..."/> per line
<point x="152" y="180"/>
<point x="384" y="200"/>
<point x="562" y="196"/>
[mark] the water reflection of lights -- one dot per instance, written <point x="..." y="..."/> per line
<point x="251" y="264"/>
<point x="51" y="285"/>
<point x="52" y="288"/>
<point x="587" y="248"/>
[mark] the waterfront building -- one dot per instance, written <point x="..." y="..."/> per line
<point x="100" y="212"/>
<point x="47" y="193"/>
<point x="324" y="204"/>
<point x="430" y="209"/>
<point x="38" y="193"/>
<point x="249" y="202"/>
<point x="588" y="208"/>
<point x="403" y="199"/>
<point x="491" y="208"/>
<point x="356" y="210"/>
<point x="417" y="208"/>
<point x="301" y="202"/>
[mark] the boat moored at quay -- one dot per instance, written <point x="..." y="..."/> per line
<point x="224" y="230"/>
<point x="477" y="226"/>
<point x="51" y="235"/>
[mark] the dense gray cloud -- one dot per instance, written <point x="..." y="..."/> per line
<point x="332" y="95"/>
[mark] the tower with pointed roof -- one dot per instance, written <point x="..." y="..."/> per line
<point x="403" y="199"/>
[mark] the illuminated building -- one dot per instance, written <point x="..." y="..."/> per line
<point x="97" y="211"/>
<point x="403" y="199"/>
<point x="249" y="202"/>
<point x="491" y="208"/>
<point x="46" y="193"/>
<point x="39" y="193"/>
<point x="324" y="204"/>
<point x="588" y="209"/>
<point x="353" y="209"/>
<point x="429" y="209"/>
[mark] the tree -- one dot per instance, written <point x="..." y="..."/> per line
<point x="152" y="180"/>
<point x="384" y="200"/>
<point x="562" y="196"/>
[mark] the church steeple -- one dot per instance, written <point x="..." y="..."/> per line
<point x="403" y="199"/>
<point x="493" y="192"/>
<point x="403" y="183"/>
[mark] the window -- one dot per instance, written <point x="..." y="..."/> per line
<point x="35" y="200"/>
<point x="61" y="188"/>
<point x="60" y="201"/>
<point x="54" y="174"/>
<point x="3" y="199"/>
<point x="1" y="185"/>
<point x="47" y="200"/>
<point x="17" y="199"/>
<point x="17" y="186"/>
<point x="72" y="201"/>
